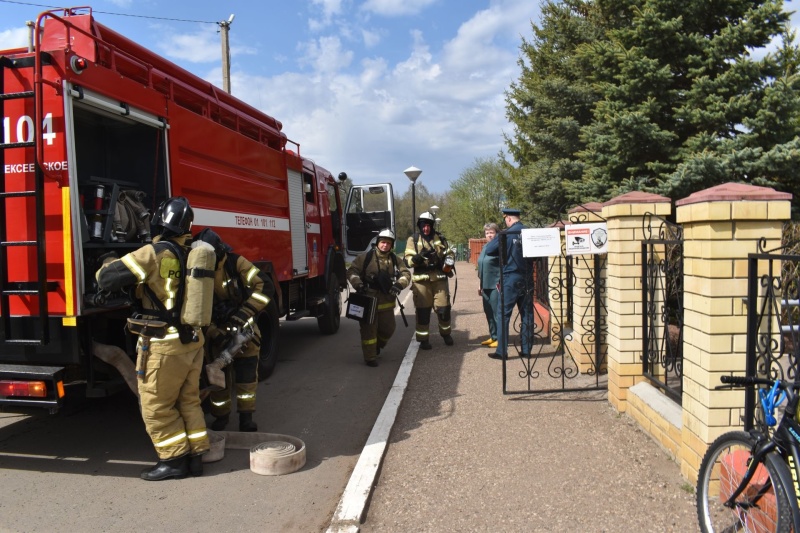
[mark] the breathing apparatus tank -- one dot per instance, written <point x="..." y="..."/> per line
<point x="198" y="298"/>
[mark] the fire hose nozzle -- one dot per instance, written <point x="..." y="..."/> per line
<point x="216" y="377"/>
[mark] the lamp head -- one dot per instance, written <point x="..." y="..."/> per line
<point x="412" y="173"/>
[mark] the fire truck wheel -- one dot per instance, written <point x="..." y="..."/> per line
<point x="269" y="327"/>
<point x="329" y="319"/>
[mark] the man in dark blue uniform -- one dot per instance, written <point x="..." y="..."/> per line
<point x="517" y="280"/>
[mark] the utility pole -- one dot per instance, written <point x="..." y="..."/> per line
<point x="224" y="26"/>
<point x="31" y="34"/>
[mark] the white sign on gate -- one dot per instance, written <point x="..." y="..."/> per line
<point x="586" y="238"/>
<point x="541" y="242"/>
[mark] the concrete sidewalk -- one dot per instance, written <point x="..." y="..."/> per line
<point x="462" y="456"/>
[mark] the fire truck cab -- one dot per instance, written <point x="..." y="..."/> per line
<point x="97" y="131"/>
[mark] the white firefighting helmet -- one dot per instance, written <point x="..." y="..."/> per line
<point x="386" y="234"/>
<point x="426" y="218"/>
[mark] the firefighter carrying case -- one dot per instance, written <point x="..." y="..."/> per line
<point x="361" y="307"/>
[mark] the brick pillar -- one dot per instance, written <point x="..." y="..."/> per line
<point x="623" y="216"/>
<point x="721" y="225"/>
<point x="581" y="339"/>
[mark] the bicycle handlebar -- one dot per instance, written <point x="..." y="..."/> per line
<point x="741" y="381"/>
<point x="746" y="380"/>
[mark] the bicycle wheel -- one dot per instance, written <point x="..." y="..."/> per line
<point x="763" y="506"/>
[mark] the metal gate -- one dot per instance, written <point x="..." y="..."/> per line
<point x="662" y="305"/>
<point x="773" y="319"/>
<point x="563" y="323"/>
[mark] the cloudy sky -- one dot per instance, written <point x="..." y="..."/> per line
<point x="369" y="87"/>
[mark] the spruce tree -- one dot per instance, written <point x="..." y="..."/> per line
<point x="548" y="106"/>
<point x="685" y="101"/>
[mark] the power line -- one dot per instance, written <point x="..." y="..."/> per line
<point x="110" y="13"/>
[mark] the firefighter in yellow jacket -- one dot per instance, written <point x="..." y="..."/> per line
<point x="240" y="294"/>
<point x="169" y="367"/>
<point x="428" y="253"/>
<point x="379" y="273"/>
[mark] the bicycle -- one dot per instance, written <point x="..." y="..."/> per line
<point x="748" y="481"/>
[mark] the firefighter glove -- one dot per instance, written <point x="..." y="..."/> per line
<point x="396" y="288"/>
<point x="417" y="259"/>
<point x="431" y="257"/>
<point x="362" y="288"/>
<point x="238" y="320"/>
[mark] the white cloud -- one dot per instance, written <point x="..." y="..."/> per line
<point x="419" y="67"/>
<point x="326" y="55"/>
<point x="436" y="108"/>
<point x="329" y="8"/>
<point x="15" y="38"/>
<point x="122" y="3"/>
<point x="202" y="46"/>
<point x="370" y="38"/>
<point x="396" y="7"/>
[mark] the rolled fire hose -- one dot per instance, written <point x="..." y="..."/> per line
<point x="271" y="454"/>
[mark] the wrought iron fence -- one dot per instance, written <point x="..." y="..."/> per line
<point x="773" y="315"/>
<point x="662" y="304"/>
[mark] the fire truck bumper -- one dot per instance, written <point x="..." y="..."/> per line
<point x="31" y="386"/>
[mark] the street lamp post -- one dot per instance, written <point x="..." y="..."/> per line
<point x="413" y="173"/>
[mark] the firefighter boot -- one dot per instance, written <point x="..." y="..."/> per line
<point x="219" y="423"/>
<point x="196" y="464"/>
<point x="177" y="468"/>
<point x="246" y="422"/>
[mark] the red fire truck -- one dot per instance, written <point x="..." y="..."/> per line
<point x="97" y="131"/>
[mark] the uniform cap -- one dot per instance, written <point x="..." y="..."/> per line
<point x="512" y="212"/>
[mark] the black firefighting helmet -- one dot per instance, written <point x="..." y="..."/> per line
<point x="425" y="218"/>
<point x="211" y="237"/>
<point x="173" y="217"/>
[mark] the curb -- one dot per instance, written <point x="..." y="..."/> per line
<point x="350" y="510"/>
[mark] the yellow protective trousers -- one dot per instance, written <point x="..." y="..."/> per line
<point x="243" y="374"/>
<point x="169" y="394"/>
<point x="376" y="334"/>
<point x="427" y="295"/>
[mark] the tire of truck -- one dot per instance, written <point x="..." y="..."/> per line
<point x="269" y="326"/>
<point x="329" y="320"/>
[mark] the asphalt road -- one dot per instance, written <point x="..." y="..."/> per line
<point x="80" y="471"/>
<point x="462" y="456"/>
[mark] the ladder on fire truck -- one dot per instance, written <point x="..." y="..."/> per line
<point x="35" y="289"/>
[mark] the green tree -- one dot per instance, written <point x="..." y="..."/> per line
<point x="404" y="225"/>
<point x="685" y="103"/>
<point x="549" y="104"/>
<point x="474" y="199"/>
<point x="665" y="96"/>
